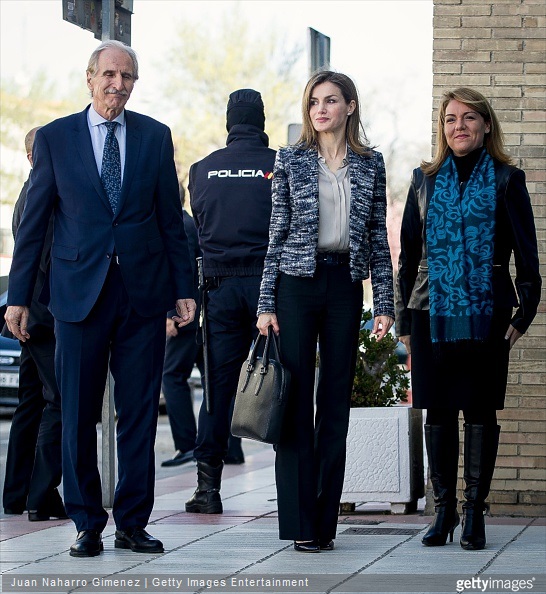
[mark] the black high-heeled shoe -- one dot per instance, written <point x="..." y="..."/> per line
<point x="444" y="524"/>
<point x="326" y="545"/>
<point x="308" y="546"/>
<point x="473" y="532"/>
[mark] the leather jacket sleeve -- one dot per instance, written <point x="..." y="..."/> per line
<point x="523" y="243"/>
<point x="410" y="256"/>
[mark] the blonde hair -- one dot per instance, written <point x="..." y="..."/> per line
<point x="356" y="137"/>
<point x="493" y="140"/>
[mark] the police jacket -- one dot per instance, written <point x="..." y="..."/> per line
<point x="514" y="233"/>
<point x="230" y="197"/>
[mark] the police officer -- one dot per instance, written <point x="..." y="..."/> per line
<point x="230" y="197"/>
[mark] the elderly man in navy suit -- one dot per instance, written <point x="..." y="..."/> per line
<point x="119" y="261"/>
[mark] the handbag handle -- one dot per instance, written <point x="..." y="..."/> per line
<point x="265" y="357"/>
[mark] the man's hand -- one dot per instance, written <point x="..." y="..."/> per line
<point x="185" y="308"/>
<point x="17" y="319"/>
<point x="172" y="330"/>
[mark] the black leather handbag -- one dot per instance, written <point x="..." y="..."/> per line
<point x="262" y="393"/>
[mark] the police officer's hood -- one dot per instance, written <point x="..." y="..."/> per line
<point x="245" y="112"/>
<point x="245" y="106"/>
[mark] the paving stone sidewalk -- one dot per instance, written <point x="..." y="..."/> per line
<point x="239" y="551"/>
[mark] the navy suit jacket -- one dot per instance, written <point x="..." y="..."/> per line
<point x="147" y="232"/>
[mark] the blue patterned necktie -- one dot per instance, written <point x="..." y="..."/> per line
<point x="111" y="166"/>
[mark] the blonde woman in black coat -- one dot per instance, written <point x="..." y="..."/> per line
<point x="468" y="211"/>
<point x="327" y="234"/>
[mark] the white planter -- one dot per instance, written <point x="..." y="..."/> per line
<point x="385" y="457"/>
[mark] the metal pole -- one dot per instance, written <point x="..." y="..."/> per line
<point x="108" y="412"/>
<point x="108" y="19"/>
<point x="318" y="50"/>
<point x="108" y="461"/>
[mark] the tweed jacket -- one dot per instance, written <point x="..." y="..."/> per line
<point x="514" y="234"/>
<point x="293" y="231"/>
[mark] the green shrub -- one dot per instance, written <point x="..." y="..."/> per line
<point x="379" y="379"/>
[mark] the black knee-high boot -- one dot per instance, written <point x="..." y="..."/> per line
<point x="480" y="453"/>
<point x="443" y="457"/>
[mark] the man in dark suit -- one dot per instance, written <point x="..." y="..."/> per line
<point x="33" y="462"/>
<point x="119" y="260"/>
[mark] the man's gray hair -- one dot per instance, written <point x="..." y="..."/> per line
<point x="29" y="139"/>
<point x="93" y="64"/>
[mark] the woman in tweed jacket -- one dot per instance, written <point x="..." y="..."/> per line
<point x="327" y="234"/>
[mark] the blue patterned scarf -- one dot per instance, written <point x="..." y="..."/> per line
<point x="460" y="231"/>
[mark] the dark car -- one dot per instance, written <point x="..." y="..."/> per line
<point x="10" y="358"/>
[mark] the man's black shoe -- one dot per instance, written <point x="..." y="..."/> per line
<point x="229" y="459"/>
<point x="55" y="509"/>
<point x="39" y="516"/>
<point x="14" y="511"/>
<point x="234" y="454"/>
<point x="88" y="544"/>
<point x="138" y="540"/>
<point x="179" y="458"/>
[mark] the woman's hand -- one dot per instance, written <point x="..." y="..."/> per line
<point x="381" y="325"/>
<point x="265" y="320"/>
<point x="406" y="341"/>
<point x="512" y="335"/>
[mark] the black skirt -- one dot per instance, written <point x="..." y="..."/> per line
<point x="459" y="376"/>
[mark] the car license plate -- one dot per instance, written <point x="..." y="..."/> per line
<point x="9" y="380"/>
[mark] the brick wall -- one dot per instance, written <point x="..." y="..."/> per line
<point x="499" y="48"/>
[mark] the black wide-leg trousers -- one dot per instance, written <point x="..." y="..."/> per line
<point x="310" y="460"/>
